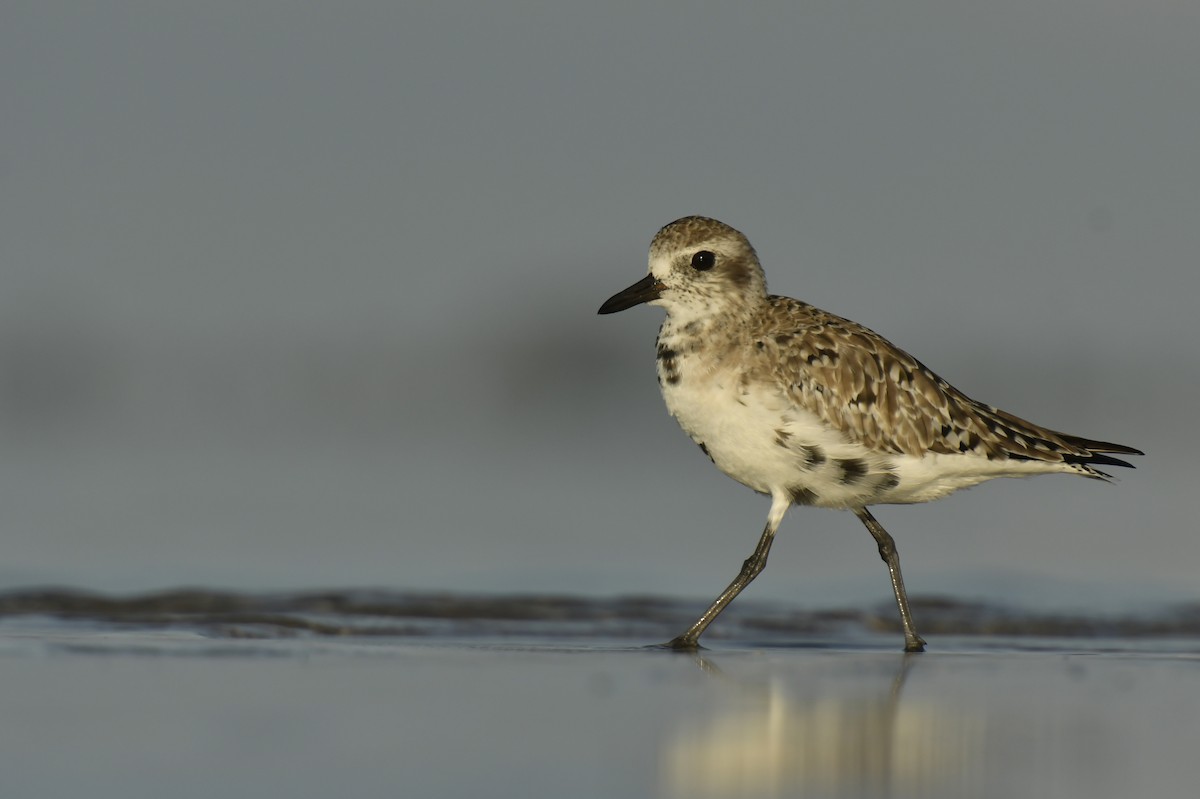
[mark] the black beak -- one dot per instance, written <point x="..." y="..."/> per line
<point x="646" y="289"/>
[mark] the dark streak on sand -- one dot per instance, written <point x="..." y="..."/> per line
<point x="388" y="613"/>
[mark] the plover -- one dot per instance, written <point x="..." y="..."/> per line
<point x="813" y="409"/>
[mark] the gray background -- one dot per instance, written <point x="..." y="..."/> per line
<point x="301" y="295"/>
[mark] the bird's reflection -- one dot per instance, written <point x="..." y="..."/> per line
<point x="846" y="729"/>
<point x="773" y="742"/>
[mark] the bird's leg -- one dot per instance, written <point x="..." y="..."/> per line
<point x="887" y="551"/>
<point x="690" y="639"/>
<point x="751" y="568"/>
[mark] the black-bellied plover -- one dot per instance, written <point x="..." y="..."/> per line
<point x="813" y="409"/>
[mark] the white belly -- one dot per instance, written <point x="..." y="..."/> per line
<point x="756" y="436"/>
<point x="737" y="431"/>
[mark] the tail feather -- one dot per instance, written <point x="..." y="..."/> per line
<point x="1095" y="459"/>
<point x="1093" y="452"/>
<point x="1022" y="439"/>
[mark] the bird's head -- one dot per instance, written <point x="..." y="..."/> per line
<point x="699" y="267"/>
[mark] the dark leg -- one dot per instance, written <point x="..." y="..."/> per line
<point x="887" y="551"/>
<point x="751" y="568"/>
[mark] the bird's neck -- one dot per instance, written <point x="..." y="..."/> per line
<point x="708" y="334"/>
<point x="708" y="320"/>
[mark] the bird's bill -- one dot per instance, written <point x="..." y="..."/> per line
<point x="645" y="290"/>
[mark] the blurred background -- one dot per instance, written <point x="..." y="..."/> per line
<point x="303" y="295"/>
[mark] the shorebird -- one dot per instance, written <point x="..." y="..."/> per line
<point x="813" y="409"/>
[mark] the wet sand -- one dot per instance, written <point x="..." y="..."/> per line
<point x="462" y="705"/>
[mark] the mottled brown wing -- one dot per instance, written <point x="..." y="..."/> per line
<point x="883" y="397"/>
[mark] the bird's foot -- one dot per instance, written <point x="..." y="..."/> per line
<point x="682" y="643"/>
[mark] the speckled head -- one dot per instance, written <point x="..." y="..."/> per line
<point x="698" y="266"/>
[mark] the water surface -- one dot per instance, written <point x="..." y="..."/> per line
<point x="163" y="705"/>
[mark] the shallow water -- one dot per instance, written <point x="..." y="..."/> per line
<point x="167" y="707"/>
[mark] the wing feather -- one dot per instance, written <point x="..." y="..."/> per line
<point x="879" y="395"/>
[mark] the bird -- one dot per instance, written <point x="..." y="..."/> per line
<point x="812" y="409"/>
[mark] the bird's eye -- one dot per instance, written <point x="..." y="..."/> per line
<point x="703" y="261"/>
